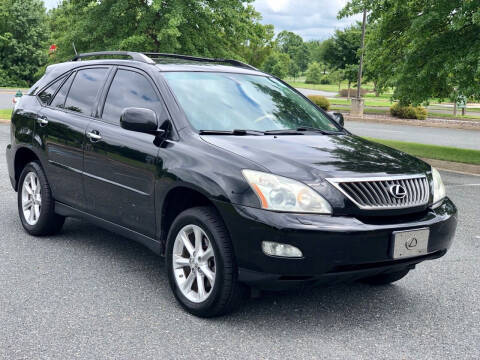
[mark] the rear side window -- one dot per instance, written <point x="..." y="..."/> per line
<point x="84" y="90"/>
<point x="129" y="89"/>
<point x="47" y="94"/>
<point x="59" y="99"/>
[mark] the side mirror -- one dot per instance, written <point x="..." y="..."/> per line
<point x="338" y="117"/>
<point x="139" y="119"/>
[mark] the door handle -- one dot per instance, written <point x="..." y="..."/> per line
<point x="94" y="136"/>
<point x="42" y="120"/>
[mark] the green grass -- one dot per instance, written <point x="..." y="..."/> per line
<point x="5" y="114"/>
<point x="446" y="153"/>
<point x="300" y="83"/>
<point x="368" y="102"/>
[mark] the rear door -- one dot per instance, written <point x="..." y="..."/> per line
<point x="61" y="126"/>
<point x="120" y="165"/>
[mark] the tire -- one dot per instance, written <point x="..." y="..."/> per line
<point x="44" y="221"/>
<point x="385" y="279"/>
<point x="226" y="293"/>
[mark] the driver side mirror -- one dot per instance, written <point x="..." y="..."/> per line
<point x="139" y="119"/>
<point x="338" y="117"/>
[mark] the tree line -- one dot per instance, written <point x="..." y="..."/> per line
<point x="422" y="49"/>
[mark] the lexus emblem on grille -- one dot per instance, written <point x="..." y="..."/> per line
<point x="397" y="191"/>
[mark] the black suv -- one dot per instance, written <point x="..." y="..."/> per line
<point x="235" y="177"/>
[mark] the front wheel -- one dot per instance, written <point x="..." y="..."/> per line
<point x="35" y="202"/>
<point x="201" y="267"/>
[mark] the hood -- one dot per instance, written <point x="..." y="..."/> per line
<point x="310" y="157"/>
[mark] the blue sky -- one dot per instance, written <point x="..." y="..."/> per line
<point x="311" y="19"/>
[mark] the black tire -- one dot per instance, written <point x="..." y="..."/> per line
<point x="227" y="293"/>
<point x="386" y="278"/>
<point x="48" y="222"/>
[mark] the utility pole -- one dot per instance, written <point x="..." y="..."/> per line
<point x="360" y="68"/>
<point x="357" y="104"/>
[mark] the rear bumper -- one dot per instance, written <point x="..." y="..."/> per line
<point x="334" y="248"/>
<point x="11" y="170"/>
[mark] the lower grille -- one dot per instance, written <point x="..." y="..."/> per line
<point x="385" y="192"/>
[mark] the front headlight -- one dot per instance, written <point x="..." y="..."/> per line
<point x="278" y="193"/>
<point x="438" y="187"/>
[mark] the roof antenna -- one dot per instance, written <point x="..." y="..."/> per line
<point x="74" y="48"/>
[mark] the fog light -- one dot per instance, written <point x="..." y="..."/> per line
<point x="277" y="249"/>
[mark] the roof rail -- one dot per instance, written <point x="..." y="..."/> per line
<point x="146" y="57"/>
<point x="134" y="55"/>
<point x="202" y="59"/>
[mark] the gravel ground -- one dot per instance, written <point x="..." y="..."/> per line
<point x="89" y="294"/>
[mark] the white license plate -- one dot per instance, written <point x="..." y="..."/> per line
<point x="410" y="243"/>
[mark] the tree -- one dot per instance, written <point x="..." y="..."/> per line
<point x="342" y="49"/>
<point x="423" y="56"/>
<point x="314" y="74"/>
<point x="350" y="74"/>
<point x="220" y="28"/>
<point x="23" y="45"/>
<point x="293" y="45"/>
<point x="277" y="64"/>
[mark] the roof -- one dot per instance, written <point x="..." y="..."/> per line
<point x="162" y="61"/>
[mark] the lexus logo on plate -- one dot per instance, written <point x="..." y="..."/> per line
<point x="397" y="191"/>
<point x="411" y="243"/>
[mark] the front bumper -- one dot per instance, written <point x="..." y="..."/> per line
<point x="334" y="248"/>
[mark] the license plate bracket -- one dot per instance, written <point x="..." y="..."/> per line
<point x="410" y="243"/>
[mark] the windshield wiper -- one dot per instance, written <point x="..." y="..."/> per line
<point x="283" y="132"/>
<point x="300" y="131"/>
<point x="231" y="132"/>
<point x="310" y="128"/>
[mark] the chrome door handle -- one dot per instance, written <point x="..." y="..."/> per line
<point x="94" y="136"/>
<point x="42" y="120"/>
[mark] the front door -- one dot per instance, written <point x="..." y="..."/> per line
<point x="121" y="165"/>
<point x="61" y="130"/>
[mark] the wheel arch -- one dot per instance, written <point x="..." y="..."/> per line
<point x="23" y="156"/>
<point x="177" y="200"/>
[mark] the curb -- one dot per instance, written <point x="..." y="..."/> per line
<point x="429" y="122"/>
<point x="460" y="168"/>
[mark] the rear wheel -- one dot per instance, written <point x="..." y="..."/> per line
<point x="201" y="266"/>
<point x="387" y="278"/>
<point x="35" y="202"/>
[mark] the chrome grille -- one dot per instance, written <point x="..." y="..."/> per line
<point x="377" y="193"/>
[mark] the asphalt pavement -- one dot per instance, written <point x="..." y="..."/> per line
<point x="89" y="294"/>
<point x="468" y="139"/>
<point x="6" y="98"/>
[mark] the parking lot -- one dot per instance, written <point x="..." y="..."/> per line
<point x="90" y="294"/>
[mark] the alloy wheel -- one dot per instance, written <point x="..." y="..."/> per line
<point x="31" y="198"/>
<point x="194" y="263"/>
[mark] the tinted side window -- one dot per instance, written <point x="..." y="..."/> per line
<point x="83" y="92"/>
<point x="47" y="94"/>
<point x="129" y="89"/>
<point x="59" y="99"/>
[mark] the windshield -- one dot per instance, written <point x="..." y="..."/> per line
<point x="226" y="102"/>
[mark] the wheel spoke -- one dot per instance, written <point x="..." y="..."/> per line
<point x="208" y="253"/>
<point x="208" y="273"/>
<point x="36" y="208"/>
<point x="200" y="286"/>
<point x="28" y="189"/>
<point x="31" y="218"/>
<point x="27" y="205"/>
<point x="180" y="262"/>
<point x="198" y="238"/>
<point x="187" y="243"/>
<point x="33" y="184"/>
<point x="187" y="285"/>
